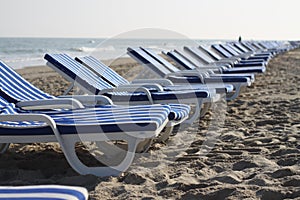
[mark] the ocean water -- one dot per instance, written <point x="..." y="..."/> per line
<point x="23" y="52"/>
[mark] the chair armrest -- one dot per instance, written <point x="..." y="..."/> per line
<point x="207" y="70"/>
<point x="30" y="117"/>
<point x="231" y="60"/>
<point x="59" y="103"/>
<point x="129" y="89"/>
<point x="186" y="73"/>
<point x="223" y="64"/>
<point x="36" y="117"/>
<point x="162" y="82"/>
<point x="208" y="67"/>
<point x="149" y="86"/>
<point x="90" y="99"/>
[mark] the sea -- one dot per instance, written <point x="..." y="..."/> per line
<point x="23" y="52"/>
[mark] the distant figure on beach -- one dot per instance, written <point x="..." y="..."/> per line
<point x="240" y="38"/>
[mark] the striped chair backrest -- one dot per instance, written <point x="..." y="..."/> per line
<point x="145" y="59"/>
<point x="180" y="59"/>
<point x="102" y="70"/>
<point x="222" y="51"/>
<point x="161" y="60"/>
<point x="240" y="47"/>
<point x="15" y="88"/>
<point x="198" y="54"/>
<point x="7" y="108"/>
<point x="229" y="50"/>
<point x="209" y="51"/>
<point x="79" y="73"/>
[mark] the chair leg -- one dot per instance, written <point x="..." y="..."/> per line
<point x="196" y="114"/>
<point x="3" y="147"/>
<point x="235" y="94"/>
<point x="68" y="148"/>
<point x="69" y="89"/>
<point x="204" y="109"/>
<point x="144" y="145"/>
<point x="109" y="149"/>
<point x="165" y="134"/>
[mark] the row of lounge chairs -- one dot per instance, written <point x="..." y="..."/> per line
<point x="116" y="109"/>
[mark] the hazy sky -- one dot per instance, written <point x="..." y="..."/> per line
<point x="201" y="19"/>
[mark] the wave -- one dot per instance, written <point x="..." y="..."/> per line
<point x="82" y="49"/>
<point x="20" y="62"/>
<point x="91" y="49"/>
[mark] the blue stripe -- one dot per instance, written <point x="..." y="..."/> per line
<point x="102" y="70"/>
<point x="17" y="87"/>
<point x="86" y="75"/>
<point x="57" y="191"/>
<point x="32" y="198"/>
<point x="147" y="60"/>
<point x="98" y="116"/>
<point x="161" y="60"/>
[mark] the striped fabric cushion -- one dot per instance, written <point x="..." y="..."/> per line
<point x="179" y="111"/>
<point x="147" y="60"/>
<point x="222" y="51"/>
<point x="46" y="192"/>
<point x="77" y="72"/>
<point x="9" y="109"/>
<point x="94" y="83"/>
<point x="102" y="70"/>
<point x="106" y="119"/>
<point x="161" y="60"/>
<point x="15" y="88"/>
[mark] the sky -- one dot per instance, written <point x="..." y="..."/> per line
<point x="196" y="19"/>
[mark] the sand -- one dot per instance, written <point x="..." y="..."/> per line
<point x="256" y="155"/>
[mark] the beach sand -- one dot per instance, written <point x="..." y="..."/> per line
<point x="256" y="155"/>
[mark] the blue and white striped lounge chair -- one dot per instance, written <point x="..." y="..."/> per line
<point x="230" y="52"/>
<point x="255" y="60"/>
<point x="133" y="125"/>
<point x="45" y="192"/>
<point x="219" y="70"/>
<point x="247" y="57"/>
<point x="15" y="89"/>
<point x="274" y="47"/>
<point x="91" y="83"/>
<point x="164" y="68"/>
<point x="215" y="70"/>
<point x="247" y="52"/>
<point x="116" y="80"/>
<point x="232" y="64"/>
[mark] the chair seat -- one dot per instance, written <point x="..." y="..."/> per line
<point x="227" y="79"/>
<point x="157" y="96"/>
<point x="91" y="120"/>
<point x="177" y="112"/>
<point x="245" y="70"/>
<point x="76" y="129"/>
<point x="220" y="88"/>
<point x="13" y="91"/>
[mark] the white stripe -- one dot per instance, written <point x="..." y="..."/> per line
<point x="81" y="190"/>
<point x="39" y="195"/>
